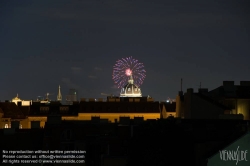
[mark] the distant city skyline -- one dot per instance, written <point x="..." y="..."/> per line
<point x="75" y="44"/>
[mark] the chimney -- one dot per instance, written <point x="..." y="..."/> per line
<point x="181" y="84"/>
<point x="190" y="90"/>
<point x="181" y="92"/>
<point x="244" y="83"/>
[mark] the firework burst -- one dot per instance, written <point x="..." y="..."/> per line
<point x="126" y="67"/>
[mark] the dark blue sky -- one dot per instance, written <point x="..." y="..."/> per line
<point x="76" y="44"/>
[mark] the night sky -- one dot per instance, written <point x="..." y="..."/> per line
<point x="76" y="43"/>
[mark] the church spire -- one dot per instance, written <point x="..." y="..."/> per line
<point x="59" y="96"/>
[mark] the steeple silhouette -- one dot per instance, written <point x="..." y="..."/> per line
<point x="59" y="96"/>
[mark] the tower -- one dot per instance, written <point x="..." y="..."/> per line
<point x="59" y="96"/>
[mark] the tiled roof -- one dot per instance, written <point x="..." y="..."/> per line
<point x="211" y="101"/>
<point x="119" y="107"/>
<point x="25" y="109"/>
<point x="236" y="91"/>
<point x="11" y="110"/>
<point x="170" y="107"/>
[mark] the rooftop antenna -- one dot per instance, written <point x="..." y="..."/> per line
<point x="181" y="92"/>
<point x="181" y="84"/>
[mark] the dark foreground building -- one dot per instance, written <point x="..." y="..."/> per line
<point x="131" y="141"/>
<point x="228" y="101"/>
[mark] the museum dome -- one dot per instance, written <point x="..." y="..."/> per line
<point x="130" y="89"/>
<point x="16" y="98"/>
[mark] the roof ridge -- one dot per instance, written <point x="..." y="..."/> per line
<point x="211" y="100"/>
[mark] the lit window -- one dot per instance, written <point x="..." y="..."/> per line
<point x="135" y="89"/>
<point x="20" y="126"/>
<point x="6" y="126"/>
<point x="128" y="89"/>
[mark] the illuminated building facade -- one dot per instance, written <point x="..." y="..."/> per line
<point x="17" y="100"/>
<point x="112" y="110"/>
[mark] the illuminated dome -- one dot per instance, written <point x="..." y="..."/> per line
<point x="16" y="98"/>
<point x="130" y="90"/>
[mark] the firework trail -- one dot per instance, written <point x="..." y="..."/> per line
<point x="126" y="67"/>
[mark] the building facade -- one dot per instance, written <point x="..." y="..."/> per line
<point x="198" y="106"/>
<point x="112" y="110"/>
<point x="236" y="97"/>
<point x="228" y="101"/>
